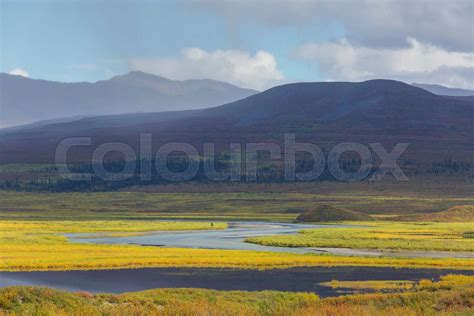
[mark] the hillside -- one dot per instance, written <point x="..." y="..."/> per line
<point x="462" y="213"/>
<point x="375" y="111"/>
<point x="329" y="213"/>
<point x="25" y="100"/>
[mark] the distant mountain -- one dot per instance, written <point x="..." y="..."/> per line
<point x="42" y="123"/>
<point x="25" y="100"/>
<point x="442" y="90"/>
<point x="324" y="113"/>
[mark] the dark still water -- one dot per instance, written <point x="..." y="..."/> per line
<point x="294" y="279"/>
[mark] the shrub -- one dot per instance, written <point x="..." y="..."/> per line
<point x="329" y="213"/>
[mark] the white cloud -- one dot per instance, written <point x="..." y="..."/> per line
<point x="418" y="62"/>
<point x="234" y="66"/>
<point x="372" y="23"/>
<point x="19" y="72"/>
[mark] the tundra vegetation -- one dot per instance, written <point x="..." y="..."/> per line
<point x="452" y="295"/>
<point x="195" y="204"/>
<point x="417" y="236"/>
<point x="41" y="245"/>
<point x="329" y="213"/>
<point x="33" y="224"/>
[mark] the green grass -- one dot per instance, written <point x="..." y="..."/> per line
<point x="35" y="243"/>
<point x="380" y="235"/>
<point x="226" y="206"/>
<point x="41" y="245"/>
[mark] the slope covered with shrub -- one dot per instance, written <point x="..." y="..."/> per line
<point x="329" y="213"/>
<point x="462" y="213"/>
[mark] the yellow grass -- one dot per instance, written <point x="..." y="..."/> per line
<point x="418" y="236"/>
<point x="26" y="246"/>
<point x="374" y="285"/>
<point x="453" y="295"/>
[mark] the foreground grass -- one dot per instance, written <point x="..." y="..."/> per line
<point x="381" y="235"/>
<point x="453" y="295"/>
<point x="40" y="245"/>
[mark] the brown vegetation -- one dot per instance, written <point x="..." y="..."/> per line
<point x="462" y="213"/>
<point x="453" y="295"/>
<point x="329" y="213"/>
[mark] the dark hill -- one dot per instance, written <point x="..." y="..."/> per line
<point x="317" y="95"/>
<point x="376" y="111"/>
<point x="325" y="102"/>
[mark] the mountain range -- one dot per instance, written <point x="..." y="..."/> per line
<point x="376" y="111"/>
<point x="442" y="90"/>
<point x="25" y="100"/>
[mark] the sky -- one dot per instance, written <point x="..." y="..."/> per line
<point x="253" y="44"/>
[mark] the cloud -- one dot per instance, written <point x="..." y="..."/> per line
<point x="418" y="62"/>
<point x="371" y="23"/>
<point x="234" y="66"/>
<point x="19" y="72"/>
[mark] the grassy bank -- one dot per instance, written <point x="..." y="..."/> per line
<point x="380" y="235"/>
<point x="32" y="227"/>
<point x="453" y="295"/>
<point x="40" y="245"/>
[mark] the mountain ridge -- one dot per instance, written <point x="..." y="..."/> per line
<point x="442" y="90"/>
<point x="375" y="111"/>
<point x="25" y="100"/>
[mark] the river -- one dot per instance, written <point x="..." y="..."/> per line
<point x="234" y="238"/>
<point x="292" y="279"/>
<point x="305" y="279"/>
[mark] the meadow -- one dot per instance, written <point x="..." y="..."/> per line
<point x="275" y="206"/>
<point x="41" y="245"/>
<point x="32" y="228"/>
<point x="452" y="295"/>
<point x="416" y="236"/>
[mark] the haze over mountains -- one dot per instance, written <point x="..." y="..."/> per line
<point x="383" y="111"/>
<point x="25" y="100"/>
<point x="42" y="102"/>
<point x="442" y="90"/>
